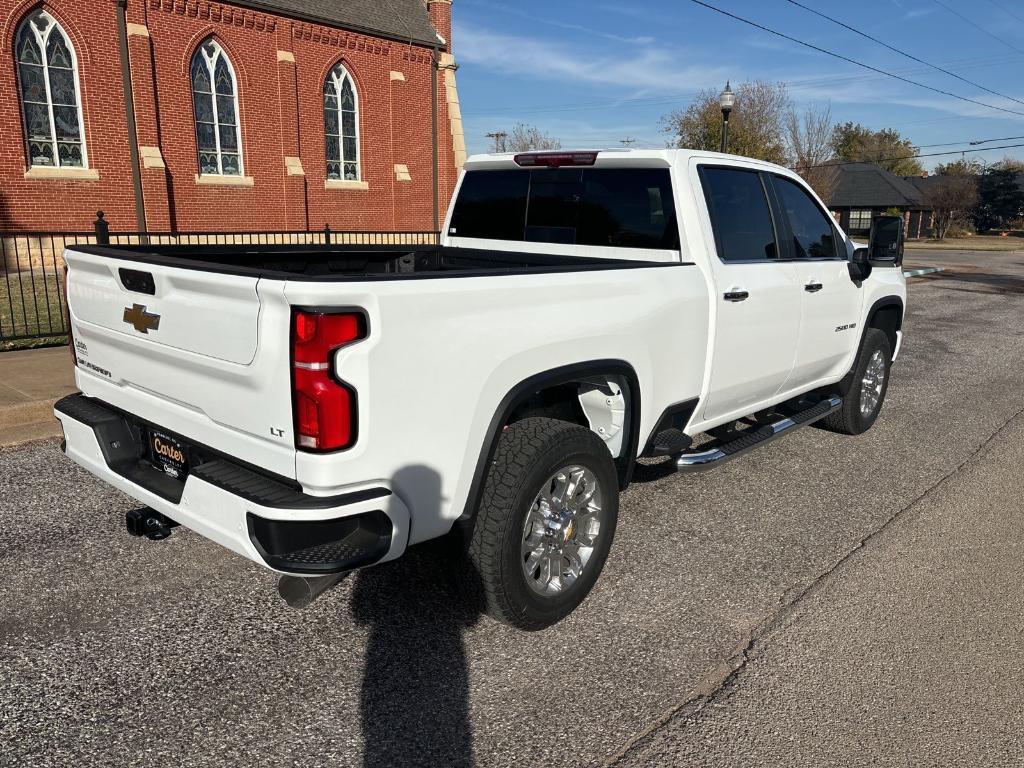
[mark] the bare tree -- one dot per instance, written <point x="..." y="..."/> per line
<point x="952" y="198"/>
<point x="809" y="135"/>
<point x="756" y="125"/>
<point x="528" y="138"/>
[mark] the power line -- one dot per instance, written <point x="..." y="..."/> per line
<point x="915" y="157"/>
<point x="972" y="142"/>
<point x="796" y="85"/>
<point x="1006" y="10"/>
<point x="977" y="26"/>
<point x="847" y="59"/>
<point x="902" y="53"/>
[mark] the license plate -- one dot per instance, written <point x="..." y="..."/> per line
<point x="168" y="454"/>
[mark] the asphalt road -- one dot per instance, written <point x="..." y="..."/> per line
<point x="826" y="600"/>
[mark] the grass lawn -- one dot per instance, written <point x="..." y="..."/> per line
<point x="31" y="305"/>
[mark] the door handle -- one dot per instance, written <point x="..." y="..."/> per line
<point x="735" y="295"/>
<point x="813" y="287"/>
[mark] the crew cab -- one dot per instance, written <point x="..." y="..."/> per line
<point x="322" y="408"/>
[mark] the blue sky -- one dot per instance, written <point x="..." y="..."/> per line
<point x="592" y="73"/>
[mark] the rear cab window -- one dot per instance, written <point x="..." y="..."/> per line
<point x="609" y="207"/>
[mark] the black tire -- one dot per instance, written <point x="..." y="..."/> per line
<point x="529" y="453"/>
<point x="850" y="419"/>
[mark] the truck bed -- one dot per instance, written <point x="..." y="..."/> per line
<point x="355" y="262"/>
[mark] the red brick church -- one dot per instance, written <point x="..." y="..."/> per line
<point x="195" y="115"/>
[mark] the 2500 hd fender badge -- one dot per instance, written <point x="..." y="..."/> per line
<point x="847" y="327"/>
<point x="141" y="320"/>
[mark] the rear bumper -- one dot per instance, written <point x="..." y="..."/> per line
<point x="257" y="516"/>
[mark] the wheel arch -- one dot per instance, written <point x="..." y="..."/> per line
<point x="523" y="392"/>
<point x="886" y="314"/>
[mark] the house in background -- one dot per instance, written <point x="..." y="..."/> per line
<point x="865" y="190"/>
<point x="236" y="115"/>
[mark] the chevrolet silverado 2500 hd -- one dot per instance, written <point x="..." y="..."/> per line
<point x="318" y="409"/>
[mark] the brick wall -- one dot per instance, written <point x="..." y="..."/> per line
<point x="280" y="66"/>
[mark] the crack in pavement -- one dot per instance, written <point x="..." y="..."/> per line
<point x="713" y="684"/>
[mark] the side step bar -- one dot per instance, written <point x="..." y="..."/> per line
<point x="700" y="461"/>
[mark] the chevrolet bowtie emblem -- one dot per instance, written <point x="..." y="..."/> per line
<point x="141" y="320"/>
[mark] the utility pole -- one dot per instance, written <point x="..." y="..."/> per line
<point x="499" y="140"/>
<point x="627" y="141"/>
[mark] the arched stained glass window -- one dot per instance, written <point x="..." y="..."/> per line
<point x="215" y="100"/>
<point x="341" y="125"/>
<point x="50" y="95"/>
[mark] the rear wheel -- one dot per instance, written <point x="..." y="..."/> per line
<point x="546" y="521"/>
<point x="867" y="391"/>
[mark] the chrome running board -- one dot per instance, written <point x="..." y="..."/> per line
<point x="700" y="461"/>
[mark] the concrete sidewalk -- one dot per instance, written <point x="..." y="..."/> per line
<point x="31" y="381"/>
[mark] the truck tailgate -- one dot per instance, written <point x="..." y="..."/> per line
<point x="202" y="354"/>
<point x="207" y="313"/>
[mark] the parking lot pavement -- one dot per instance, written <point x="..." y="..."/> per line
<point x="906" y="654"/>
<point x="123" y="652"/>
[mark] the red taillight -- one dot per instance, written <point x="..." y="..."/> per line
<point x="324" y="407"/>
<point x="555" y="159"/>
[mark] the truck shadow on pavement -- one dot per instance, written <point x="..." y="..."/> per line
<point x="414" y="700"/>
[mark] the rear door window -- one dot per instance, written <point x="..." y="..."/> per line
<point x="740" y="215"/>
<point x="813" y="231"/>
<point x="620" y="208"/>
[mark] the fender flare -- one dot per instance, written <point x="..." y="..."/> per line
<point x="882" y="303"/>
<point x="885" y="301"/>
<point x="553" y="378"/>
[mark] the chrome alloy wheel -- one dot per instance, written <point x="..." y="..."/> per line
<point x="561" y="530"/>
<point x="871" y="384"/>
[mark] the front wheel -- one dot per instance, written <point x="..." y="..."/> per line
<point x="867" y="391"/>
<point x="545" y="523"/>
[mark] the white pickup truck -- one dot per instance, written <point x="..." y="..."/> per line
<point x="319" y="409"/>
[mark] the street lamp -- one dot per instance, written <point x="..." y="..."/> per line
<point x="725" y="101"/>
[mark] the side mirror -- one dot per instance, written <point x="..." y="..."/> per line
<point x="860" y="264"/>
<point x="885" y="245"/>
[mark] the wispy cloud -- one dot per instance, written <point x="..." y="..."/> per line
<point x="571" y="133"/>
<point x="917" y="13"/>
<point x="633" y="11"/>
<point x="512" y="11"/>
<point x="878" y="91"/>
<point x="651" y="70"/>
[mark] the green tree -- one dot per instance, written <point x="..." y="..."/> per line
<point x="1000" y="199"/>
<point x="757" y="125"/>
<point x="857" y="143"/>
<point x="962" y="167"/>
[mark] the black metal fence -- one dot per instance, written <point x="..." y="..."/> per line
<point x="32" y="306"/>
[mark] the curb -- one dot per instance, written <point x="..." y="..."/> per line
<point x="21" y="414"/>
<point x="30" y="433"/>
<point x="29" y="421"/>
<point x="924" y="271"/>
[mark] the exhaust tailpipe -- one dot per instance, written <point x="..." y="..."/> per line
<point x="301" y="591"/>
